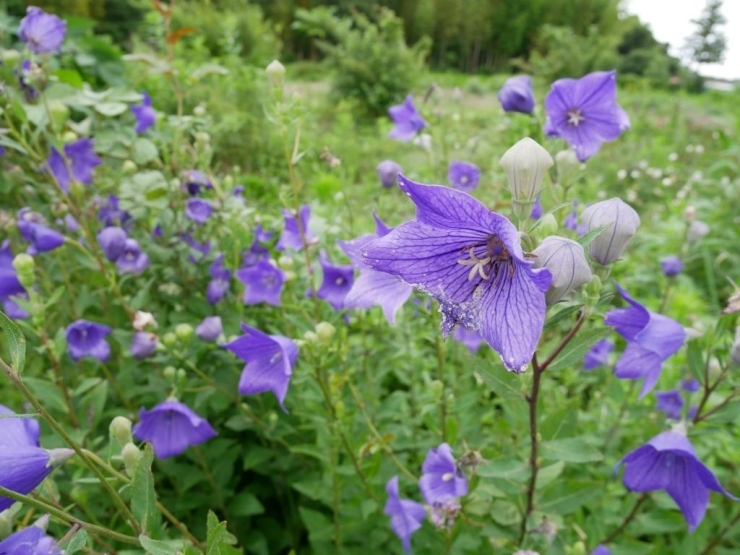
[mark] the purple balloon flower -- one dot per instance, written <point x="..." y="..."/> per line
<point x="143" y="344"/>
<point x="585" y="112"/>
<point x="10" y="287"/>
<point x="406" y="515"/>
<point x="19" y="431"/>
<point x="668" y="462"/>
<point x="171" y="427"/>
<point x="42" y="32"/>
<point x="651" y="339"/>
<point x="441" y="479"/>
<point x="671" y="266"/>
<point x="270" y="360"/>
<point x="408" y="121"/>
<point x="291" y="236"/>
<point x="198" y="210"/>
<point x="113" y="241"/>
<point x="670" y="403"/>
<point x="29" y="541"/>
<point x="516" y="95"/>
<point x="257" y="251"/>
<point x="82" y="160"/>
<point x="32" y="229"/>
<point x="87" y="339"/>
<point x="537" y="210"/>
<point x="471" y="261"/>
<point x="471" y="339"/>
<point x="145" y="115"/>
<point x="111" y="215"/>
<point x="132" y="260"/>
<point x="264" y="283"/>
<point x="598" y="355"/>
<point x="209" y="329"/>
<point x="388" y="172"/>
<point x="463" y="175"/>
<point x="194" y="181"/>
<point x="219" y="284"/>
<point x="690" y="384"/>
<point x="336" y="283"/>
<point x="373" y="288"/>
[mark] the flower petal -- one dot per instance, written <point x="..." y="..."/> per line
<point x="637" y="362"/>
<point x="373" y="288"/>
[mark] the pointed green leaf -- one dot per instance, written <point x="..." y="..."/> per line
<point x="16" y="343"/>
<point x="143" y="498"/>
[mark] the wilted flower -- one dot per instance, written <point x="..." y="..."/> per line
<point x="145" y="115"/>
<point x="10" y="287"/>
<point x="198" y="210"/>
<point x="337" y="282"/>
<point x="30" y="541"/>
<point x="42" y="32"/>
<point x="471" y="261"/>
<point x="516" y="95"/>
<point x="388" y="172"/>
<point x="171" y="427"/>
<point x="670" y="403"/>
<point x="443" y="514"/>
<point x="463" y="175"/>
<point x="270" y="360"/>
<point x="697" y="231"/>
<point x="209" y="329"/>
<point x="132" y="259"/>
<point x="263" y="282"/>
<point x="408" y="121"/>
<point x="671" y="266"/>
<point x="621" y="222"/>
<point x="111" y="215"/>
<point x="406" y="515"/>
<point x="194" y="181"/>
<point x="598" y="355"/>
<point x="441" y="478"/>
<point x="294" y="227"/>
<point x="585" y="112"/>
<point x="651" y="339"/>
<point x="567" y="264"/>
<point x="142" y="320"/>
<point x="87" y="339"/>
<point x="143" y="344"/>
<point x="219" y="284"/>
<point x="32" y="229"/>
<point x="526" y="164"/>
<point x="668" y="462"/>
<point x="80" y="162"/>
<point x="471" y="339"/>
<point x="113" y="241"/>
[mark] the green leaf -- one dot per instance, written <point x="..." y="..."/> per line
<point x="208" y="69"/>
<point x="562" y="315"/>
<point x="111" y="109"/>
<point x="143" y="497"/>
<point x="157" y="547"/>
<point x="575" y="449"/>
<point x="319" y="525"/>
<point x="508" y="469"/>
<point x="505" y="513"/>
<point x="585" y="240"/>
<point x="219" y="540"/>
<point x="573" y="353"/>
<point x="573" y="498"/>
<point x="246" y="504"/>
<point x="16" y="343"/>
<point x="75" y="543"/>
<point x="144" y="151"/>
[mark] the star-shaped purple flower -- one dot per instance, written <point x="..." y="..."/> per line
<point x="463" y="175"/>
<point x="145" y="115"/>
<point x="471" y="261"/>
<point x="198" y="210"/>
<point x="408" y="121"/>
<point x="42" y="32"/>
<point x="82" y="160"/>
<point x="585" y="112"/>
<point x="171" y="427"/>
<point x="263" y="283"/>
<point x="669" y="462"/>
<point x="406" y="515"/>
<point x="87" y="339"/>
<point x="219" y="284"/>
<point x="441" y="478"/>
<point x="29" y="541"/>
<point x="598" y="355"/>
<point x="132" y="260"/>
<point x="516" y="95"/>
<point x="336" y="283"/>
<point x="651" y="339"/>
<point x="270" y="360"/>
<point x="291" y="236"/>
<point x="33" y="229"/>
<point x="670" y="403"/>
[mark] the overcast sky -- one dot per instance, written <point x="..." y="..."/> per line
<point x="670" y="21"/>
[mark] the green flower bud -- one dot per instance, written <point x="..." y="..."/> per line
<point x="24" y="265"/>
<point x="128" y="167"/>
<point x="169" y="339"/>
<point x="169" y="373"/>
<point x="120" y="428"/>
<point x="285" y="262"/>
<point x="184" y="331"/>
<point x="339" y="409"/>
<point x="199" y="111"/>
<point x="289" y="276"/>
<point x="567" y="164"/>
<point x="69" y="137"/>
<point x="59" y="113"/>
<point x="181" y="375"/>
<point x="228" y="181"/>
<point x="311" y="337"/>
<point x="548" y="225"/>
<point x="526" y="164"/>
<point x="436" y="387"/>
<point x="325" y="332"/>
<point x="131" y="456"/>
<point x="276" y="74"/>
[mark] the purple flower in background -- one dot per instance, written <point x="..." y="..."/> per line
<point x="145" y="115"/>
<point x="29" y="541"/>
<point x="87" y="339"/>
<point x="24" y="468"/>
<point x="601" y="550"/>
<point x="670" y="403"/>
<point x="143" y="344"/>
<point x="263" y="282"/>
<point x="71" y="223"/>
<point x="198" y="210"/>
<point x="9" y="285"/>
<point x="585" y="112"/>
<point x="209" y="329"/>
<point x="471" y="261"/>
<point x="194" y="181"/>
<point x="270" y="360"/>
<point x="463" y="175"/>
<point x="336" y="283"/>
<point x="406" y="515"/>
<point x="219" y="284"/>
<point x="291" y="236"/>
<point x="441" y="479"/>
<point x="388" y="172"/>
<point x="42" y="32"/>
<point x="132" y="260"/>
<point x="471" y="339"/>
<point x="651" y="339"/>
<point x="238" y="191"/>
<point x="82" y="160"/>
<point x="32" y="229"/>
<point x="25" y="77"/>
<point x="408" y="121"/>
<point x="201" y="249"/>
<point x="373" y="288"/>
<point x="171" y="427"/>
<point x="19" y="431"/>
<point x="598" y="355"/>
<point x="571" y="221"/>
<point x="516" y="95"/>
<point x="257" y="251"/>
<point x="537" y="210"/>
<point x="113" y="241"/>
<point x="111" y="215"/>
<point x="691" y="385"/>
<point x="671" y="266"/>
<point x="668" y="462"/>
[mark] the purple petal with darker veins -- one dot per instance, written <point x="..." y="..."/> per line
<point x="373" y="288"/>
<point x="171" y="427"/>
<point x="637" y="363"/>
<point x="264" y="283"/>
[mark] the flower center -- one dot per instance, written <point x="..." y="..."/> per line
<point x="494" y="256"/>
<point x="447" y="476"/>
<point x="339" y="281"/>
<point x="575" y="117"/>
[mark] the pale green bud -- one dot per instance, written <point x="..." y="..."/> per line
<point x="69" y="137"/>
<point x="592" y="289"/>
<point x="621" y="222"/>
<point x="24" y="265"/>
<point x="567" y="264"/>
<point x="59" y="113"/>
<point x="325" y="332"/>
<point x="184" y="331"/>
<point x="548" y="225"/>
<point x="131" y="456"/>
<point x="310" y="337"/>
<point x="10" y="57"/>
<point x="228" y="181"/>
<point x="169" y="339"/>
<point x="579" y="548"/>
<point x="285" y="262"/>
<point x="128" y="167"/>
<point x="199" y="110"/>
<point x="276" y="74"/>
<point x="181" y="375"/>
<point x="567" y="164"/>
<point x="289" y="276"/>
<point x="436" y="388"/>
<point x="120" y="428"/>
<point x="201" y="137"/>
<point x="339" y="409"/>
<point x="526" y="164"/>
<point x="169" y="373"/>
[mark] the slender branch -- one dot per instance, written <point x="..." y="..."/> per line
<point x="441" y="378"/>
<point x="534" y="446"/>
<point x="708" y="390"/>
<point x="720" y="535"/>
<point x="629" y="518"/>
<point x="571" y="334"/>
<point x="699" y="417"/>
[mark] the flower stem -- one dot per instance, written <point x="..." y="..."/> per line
<point x="534" y="446"/>
<point x="720" y="535"/>
<point x="629" y="518"/>
<point x="441" y="378"/>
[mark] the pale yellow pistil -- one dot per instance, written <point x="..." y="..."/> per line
<point x="477" y="265"/>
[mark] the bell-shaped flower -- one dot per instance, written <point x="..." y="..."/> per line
<point x="668" y="462"/>
<point x="270" y="360"/>
<point x="463" y="175"/>
<point x="78" y="166"/>
<point x="621" y="223"/>
<point x="111" y="215"/>
<point x="263" y="283"/>
<point x="143" y="344"/>
<point x="406" y="515"/>
<point x="336" y="283"/>
<point x="30" y="541"/>
<point x="33" y="229"/>
<point x="10" y="286"/>
<point x="257" y="250"/>
<point x="87" y="339"/>
<point x="42" y="32"/>
<point x="516" y="95"/>
<point x="132" y="259"/>
<point x="585" y="112"/>
<point x="198" y="210"/>
<point x="113" y="242"/>
<point x="526" y="164"/>
<point x="209" y="329"/>
<point x="388" y="172"/>
<point x="219" y="284"/>
<point x="651" y="339"/>
<point x="471" y="339"/>
<point x="194" y="181"/>
<point x="671" y="266"/>
<point x="441" y="478"/>
<point x="670" y="403"/>
<point x="567" y="263"/>
<point x="598" y="355"/>
<point x="145" y="115"/>
<point x="537" y="210"/>
<point x="470" y="259"/>
<point x="294" y="228"/>
<point x="171" y="427"/>
<point x="408" y="122"/>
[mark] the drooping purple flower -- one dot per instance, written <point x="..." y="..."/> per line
<point x="470" y="260"/>
<point x="270" y="360"/>
<point x="263" y="282"/>
<point x="257" y="250"/>
<point x="585" y="112"/>
<point x="18" y="431"/>
<point x="516" y="95"/>
<point x="9" y="285"/>
<point x="82" y="160"/>
<point x="471" y="339"/>
<point x="651" y="339"/>
<point x="537" y="210"/>
<point x="463" y="175"/>
<point x="219" y="284"/>
<point x="33" y="229"/>
<point x="598" y="355"/>
<point x="41" y="31"/>
<point x="601" y="550"/>
<point x="671" y="266"/>
<point x="111" y="215"/>
<point x="373" y="288"/>
<point x="171" y="427"/>
<point x="209" y="329"/>
<point x="388" y="172"/>
<point x="87" y="339"/>
<point x="198" y="210"/>
<point x="143" y="344"/>
<point x="132" y="259"/>
<point x="336" y="283"/>
<point x="29" y="541"/>
<point x="113" y="241"/>
<point x="406" y="515"/>
<point x="441" y="478"/>
<point x="669" y="462"/>
<point x="691" y="385"/>
<point x="24" y="468"/>
<point x="71" y="223"/>
<point x="145" y="115"/>
<point x="194" y="181"/>
<point x="291" y="236"/>
<point x="670" y="403"/>
<point x="408" y="121"/>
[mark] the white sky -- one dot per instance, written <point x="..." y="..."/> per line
<point x="670" y="21"/>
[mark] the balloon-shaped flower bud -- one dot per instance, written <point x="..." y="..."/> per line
<point x="388" y="171"/>
<point x="621" y="223"/>
<point x="113" y="241"/>
<point x="567" y="164"/>
<point x="567" y="263"/>
<point x="120" y="428"/>
<point x="131" y="456"/>
<point x="516" y="95"/>
<point x="697" y="231"/>
<point x="276" y="74"/>
<point x="525" y="164"/>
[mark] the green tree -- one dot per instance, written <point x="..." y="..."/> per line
<point x="708" y="44"/>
